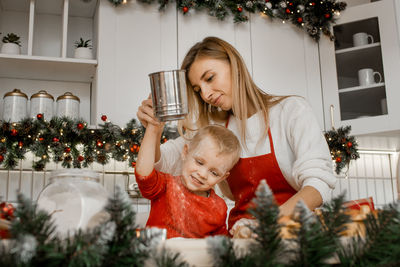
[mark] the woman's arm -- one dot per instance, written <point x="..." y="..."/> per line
<point x="311" y="197"/>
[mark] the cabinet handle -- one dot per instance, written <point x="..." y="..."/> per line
<point x="332" y="120"/>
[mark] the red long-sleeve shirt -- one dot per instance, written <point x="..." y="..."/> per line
<point x="180" y="211"/>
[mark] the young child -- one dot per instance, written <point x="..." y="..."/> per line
<point x="187" y="205"/>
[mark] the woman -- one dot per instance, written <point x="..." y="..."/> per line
<point x="280" y="137"/>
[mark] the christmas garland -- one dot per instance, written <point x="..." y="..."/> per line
<point x="314" y="242"/>
<point x="71" y="142"/>
<point x="342" y="146"/>
<point x="313" y="16"/>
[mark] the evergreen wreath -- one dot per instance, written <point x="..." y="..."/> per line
<point x="343" y="147"/>
<point x="313" y="16"/>
<point x="71" y="142"/>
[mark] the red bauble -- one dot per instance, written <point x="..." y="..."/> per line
<point x="349" y="144"/>
<point x="80" y="158"/>
<point x="313" y="4"/>
<point x="55" y="139"/>
<point x="240" y="9"/>
<point x="79" y="126"/>
<point x="67" y="149"/>
<point x="299" y="20"/>
<point x="104" y="118"/>
<point x="6" y="211"/>
<point x="290" y="4"/>
<point x="185" y="9"/>
<point x="1" y="158"/>
<point x="165" y="140"/>
<point x="20" y="144"/>
<point x="41" y="139"/>
<point x="287" y="10"/>
<point x="338" y="159"/>
<point x="39" y="116"/>
<point x="99" y="143"/>
<point x="133" y="164"/>
<point x="327" y="15"/>
<point x="14" y="132"/>
<point x="266" y="1"/>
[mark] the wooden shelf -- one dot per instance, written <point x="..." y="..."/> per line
<point x="47" y="68"/>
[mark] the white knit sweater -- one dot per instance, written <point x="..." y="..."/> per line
<point x="300" y="147"/>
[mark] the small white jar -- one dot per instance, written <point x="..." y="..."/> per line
<point x="42" y="102"/>
<point x="14" y="106"/>
<point x="75" y="198"/>
<point x="68" y="106"/>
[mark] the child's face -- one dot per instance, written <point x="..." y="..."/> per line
<point x="204" y="166"/>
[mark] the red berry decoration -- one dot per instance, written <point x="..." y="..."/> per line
<point x="1" y="158"/>
<point x="20" y="144"/>
<point x="338" y="159"/>
<point x="240" y="9"/>
<point x="104" y="118"/>
<point x="299" y="20"/>
<point x="165" y="140"/>
<point x="79" y="126"/>
<point x="55" y="139"/>
<point x="99" y="143"/>
<point x="349" y="144"/>
<point x="14" y="132"/>
<point x="287" y="10"/>
<point x="266" y="1"/>
<point x="41" y="139"/>
<point x="39" y="116"/>
<point x="133" y="164"/>
<point x="67" y="149"/>
<point x="185" y="9"/>
<point x="327" y="15"/>
<point x="80" y="158"/>
<point x="6" y="211"/>
<point x="313" y="3"/>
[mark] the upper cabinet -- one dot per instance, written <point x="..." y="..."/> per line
<point x="360" y="70"/>
<point x="48" y="31"/>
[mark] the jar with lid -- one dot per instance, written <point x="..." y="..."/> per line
<point x="68" y="106"/>
<point x="42" y="102"/>
<point x="14" y="106"/>
<point x="75" y="198"/>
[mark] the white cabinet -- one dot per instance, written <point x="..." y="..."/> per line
<point x="370" y="106"/>
<point x="48" y="30"/>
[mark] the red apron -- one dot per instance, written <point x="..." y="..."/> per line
<point x="247" y="174"/>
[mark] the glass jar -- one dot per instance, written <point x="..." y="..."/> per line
<point x="75" y="198"/>
<point x="68" y="105"/>
<point x="14" y="106"/>
<point x="42" y="102"/>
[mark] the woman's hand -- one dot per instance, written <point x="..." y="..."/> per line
<point x="242" y="228"/>
<point x="145" y="113"/>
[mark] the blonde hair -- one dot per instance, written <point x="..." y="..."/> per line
<point x="225" y="140"/>
<point x="245" y="92"/>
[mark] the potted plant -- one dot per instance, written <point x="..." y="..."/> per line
<point x="11" y="44"/>
<point x="83" y="49"/>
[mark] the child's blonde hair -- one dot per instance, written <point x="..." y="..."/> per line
<point x="226" y="141"/>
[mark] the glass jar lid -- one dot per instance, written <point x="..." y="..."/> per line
<point x="75" y="173"/>
<point x="15" y="92"/>
<point x="68" y="95"/>
<point x="42" y="94"/>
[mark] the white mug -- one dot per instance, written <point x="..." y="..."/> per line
<point x="362" y="38"/>
<point x="367" y="77"/>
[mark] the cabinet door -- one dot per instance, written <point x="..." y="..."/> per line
<point x="285" y="61"/>
<point x="360" y="71"/>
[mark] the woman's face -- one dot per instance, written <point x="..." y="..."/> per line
<point x="211" y="78"/>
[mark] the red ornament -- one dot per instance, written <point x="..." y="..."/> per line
<point x="299" y="20"/>
<point x="14" y="132"/>
<point x="240" y="9"/>
<point x="80" y="158"/>
<point x="67" y="149"/>
<point x="39" y="116"/>
<point x="79" y="126"/>
<point x="287" y="10"/>
<point x="349" y="144"/>
<point x="99" y="143"/>
<point x="1" y="158"/>
<point x="290" y="4"/>
<point x="338" y="159"/>
<point x="312" y="3"/>
<point x="327" y="15"/>
<point x="41" y="139"/>
<point x="20" y="144"/>
<point x="185" y="9"/>
<point x="104" y="118"/>
<point x="266" y="1"/>
<point x="6" y="211"/>
<point x="55" y="139"/>
<point x="165" y="140"/>
<point x="133" y="164"/>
